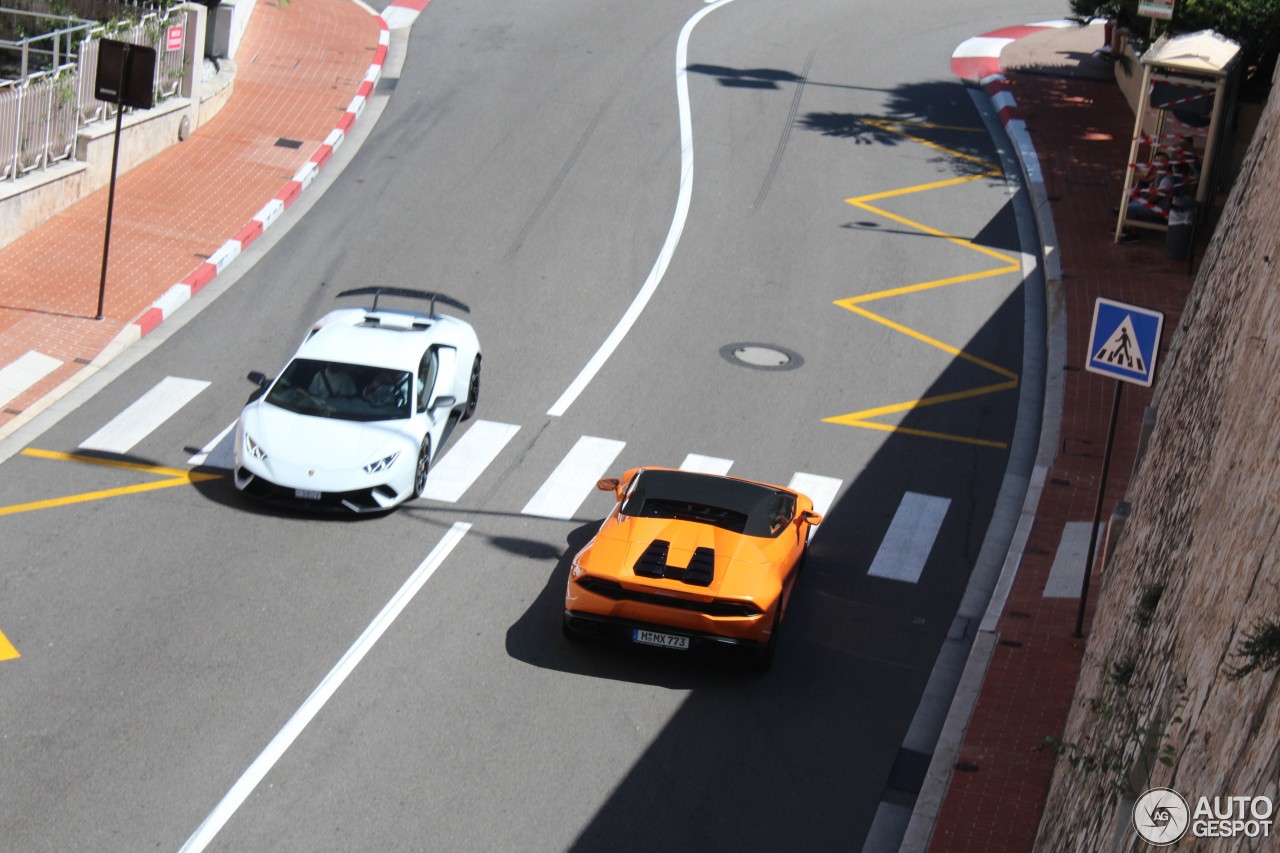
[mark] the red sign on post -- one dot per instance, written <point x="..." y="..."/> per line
<point x="174" y="38"/>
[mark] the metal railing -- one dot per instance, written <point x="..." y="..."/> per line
<point x="44" y="52"/>
<point x="41" y="114"/>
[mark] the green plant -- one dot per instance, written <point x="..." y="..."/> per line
<point x="1124" y="737"/>
<point x="1122" y="12"/>
<point x="1254" y="24"/>
<point x="64" y="87"/>
<point x="1260" y="649"/>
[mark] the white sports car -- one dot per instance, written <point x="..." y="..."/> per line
<point x="356" y="418"/>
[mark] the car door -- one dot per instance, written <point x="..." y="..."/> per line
<point x="435" y="400"/>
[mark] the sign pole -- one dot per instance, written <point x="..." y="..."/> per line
<point x="1124" y="341"/>
<point x="126" y="78"/>
<point x="1097" y="514"/>
<point x="111" y="193"/>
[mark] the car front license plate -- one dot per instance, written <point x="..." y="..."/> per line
<point x="306" y="494"/>
<point x="653" y="638"/>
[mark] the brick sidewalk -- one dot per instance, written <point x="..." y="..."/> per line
<point x="298" y="66"/>
<point x="1081" y="130"/>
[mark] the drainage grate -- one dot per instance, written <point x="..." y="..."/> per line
<point x="288" y="143"/>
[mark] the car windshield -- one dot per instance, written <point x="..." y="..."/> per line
<point x="349" y="392"/>
<point x="735" y="505"/>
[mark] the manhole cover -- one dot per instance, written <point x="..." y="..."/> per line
<point x="762" y="356"/>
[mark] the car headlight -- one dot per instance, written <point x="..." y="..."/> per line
<point x="382" y="464"/>
<point x="253" y="450"/>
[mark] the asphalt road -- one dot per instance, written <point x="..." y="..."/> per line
<point x="188" y="658"/>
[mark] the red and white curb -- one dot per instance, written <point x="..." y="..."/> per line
<point x="399" y="15"/>
<point x="402" y="13"/>
<point x="977" y="60"/>
<point x="979" y="57"/>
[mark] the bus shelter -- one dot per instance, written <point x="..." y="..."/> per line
<point x="1187" y="90"/>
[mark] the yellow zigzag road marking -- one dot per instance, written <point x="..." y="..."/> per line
<point x="176" y="477"/>
<point x="855" y="303"/>
<point x="7" y="651"/>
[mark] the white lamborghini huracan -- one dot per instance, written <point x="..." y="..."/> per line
<point x="356" y="418"/>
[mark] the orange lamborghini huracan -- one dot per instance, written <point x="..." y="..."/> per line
<point x="687" y="560"/>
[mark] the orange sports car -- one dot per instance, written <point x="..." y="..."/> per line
<point x="687" y="560"/>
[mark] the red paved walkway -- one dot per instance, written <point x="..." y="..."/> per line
<point x="1081" y="130"/>
<point x="298" y="67"/>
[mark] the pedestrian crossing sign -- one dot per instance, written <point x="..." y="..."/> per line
<point x="1123" y="341"/>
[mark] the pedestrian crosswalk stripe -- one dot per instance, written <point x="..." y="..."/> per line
<point x="29" y="369"/>
<point x="700" y="464"/>
<point x="464" y="462"/>
<point x="822" y="490"/>
<point x="150" y="410"/>
<point x="574" y="478"/>
<point x="1066" y="575"/>
<point x="910" y="538"/>
<point x="219" y="453"/>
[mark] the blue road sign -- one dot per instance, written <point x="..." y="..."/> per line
<point x="1123" y="341"/>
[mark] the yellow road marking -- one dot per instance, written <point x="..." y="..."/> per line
<point x="175" y="477"/>
<point x="7" y="651"/>
<point x="923" y="338"/>
<point x="855" y="303"/>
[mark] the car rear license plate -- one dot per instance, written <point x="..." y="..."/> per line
<point x="653" y="638"/>
<point x="306" y="494"/>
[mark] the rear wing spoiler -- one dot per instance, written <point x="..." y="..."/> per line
<point x="408" y="293"/>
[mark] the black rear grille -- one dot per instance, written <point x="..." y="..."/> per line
<point x="360" y="500"/>
<point x="717" y="607"/>
<point x="653" y="564"/>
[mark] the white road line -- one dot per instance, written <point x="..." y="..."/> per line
<point x="467" y="459"/>
<point x="1066" y="575"/>
<point x="150" y="410"/>
<point x="574" y="478"/>
<point x="910" y="538"/>
<point x="673" y="234"/>
<point x="243" y="787"/>
<point x="20" y="375"/>
<point x="822" y="490"/>
<point x="219" y="453"/>
<point x="706" y="464"/>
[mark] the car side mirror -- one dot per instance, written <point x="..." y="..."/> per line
<point x="443" y="402"/>
<point x="257" y="377"/>
<point x="811" y="517"/>
<point x="608" y="484"/>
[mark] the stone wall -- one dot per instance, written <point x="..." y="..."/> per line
<point x="1197" y="567"/>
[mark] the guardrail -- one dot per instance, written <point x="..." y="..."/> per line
<point x="45" y="51"/>
<point x="41" y="114"/>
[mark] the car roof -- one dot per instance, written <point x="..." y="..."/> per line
<point x="756" y="503"/>
<point x="385" y="338"/>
